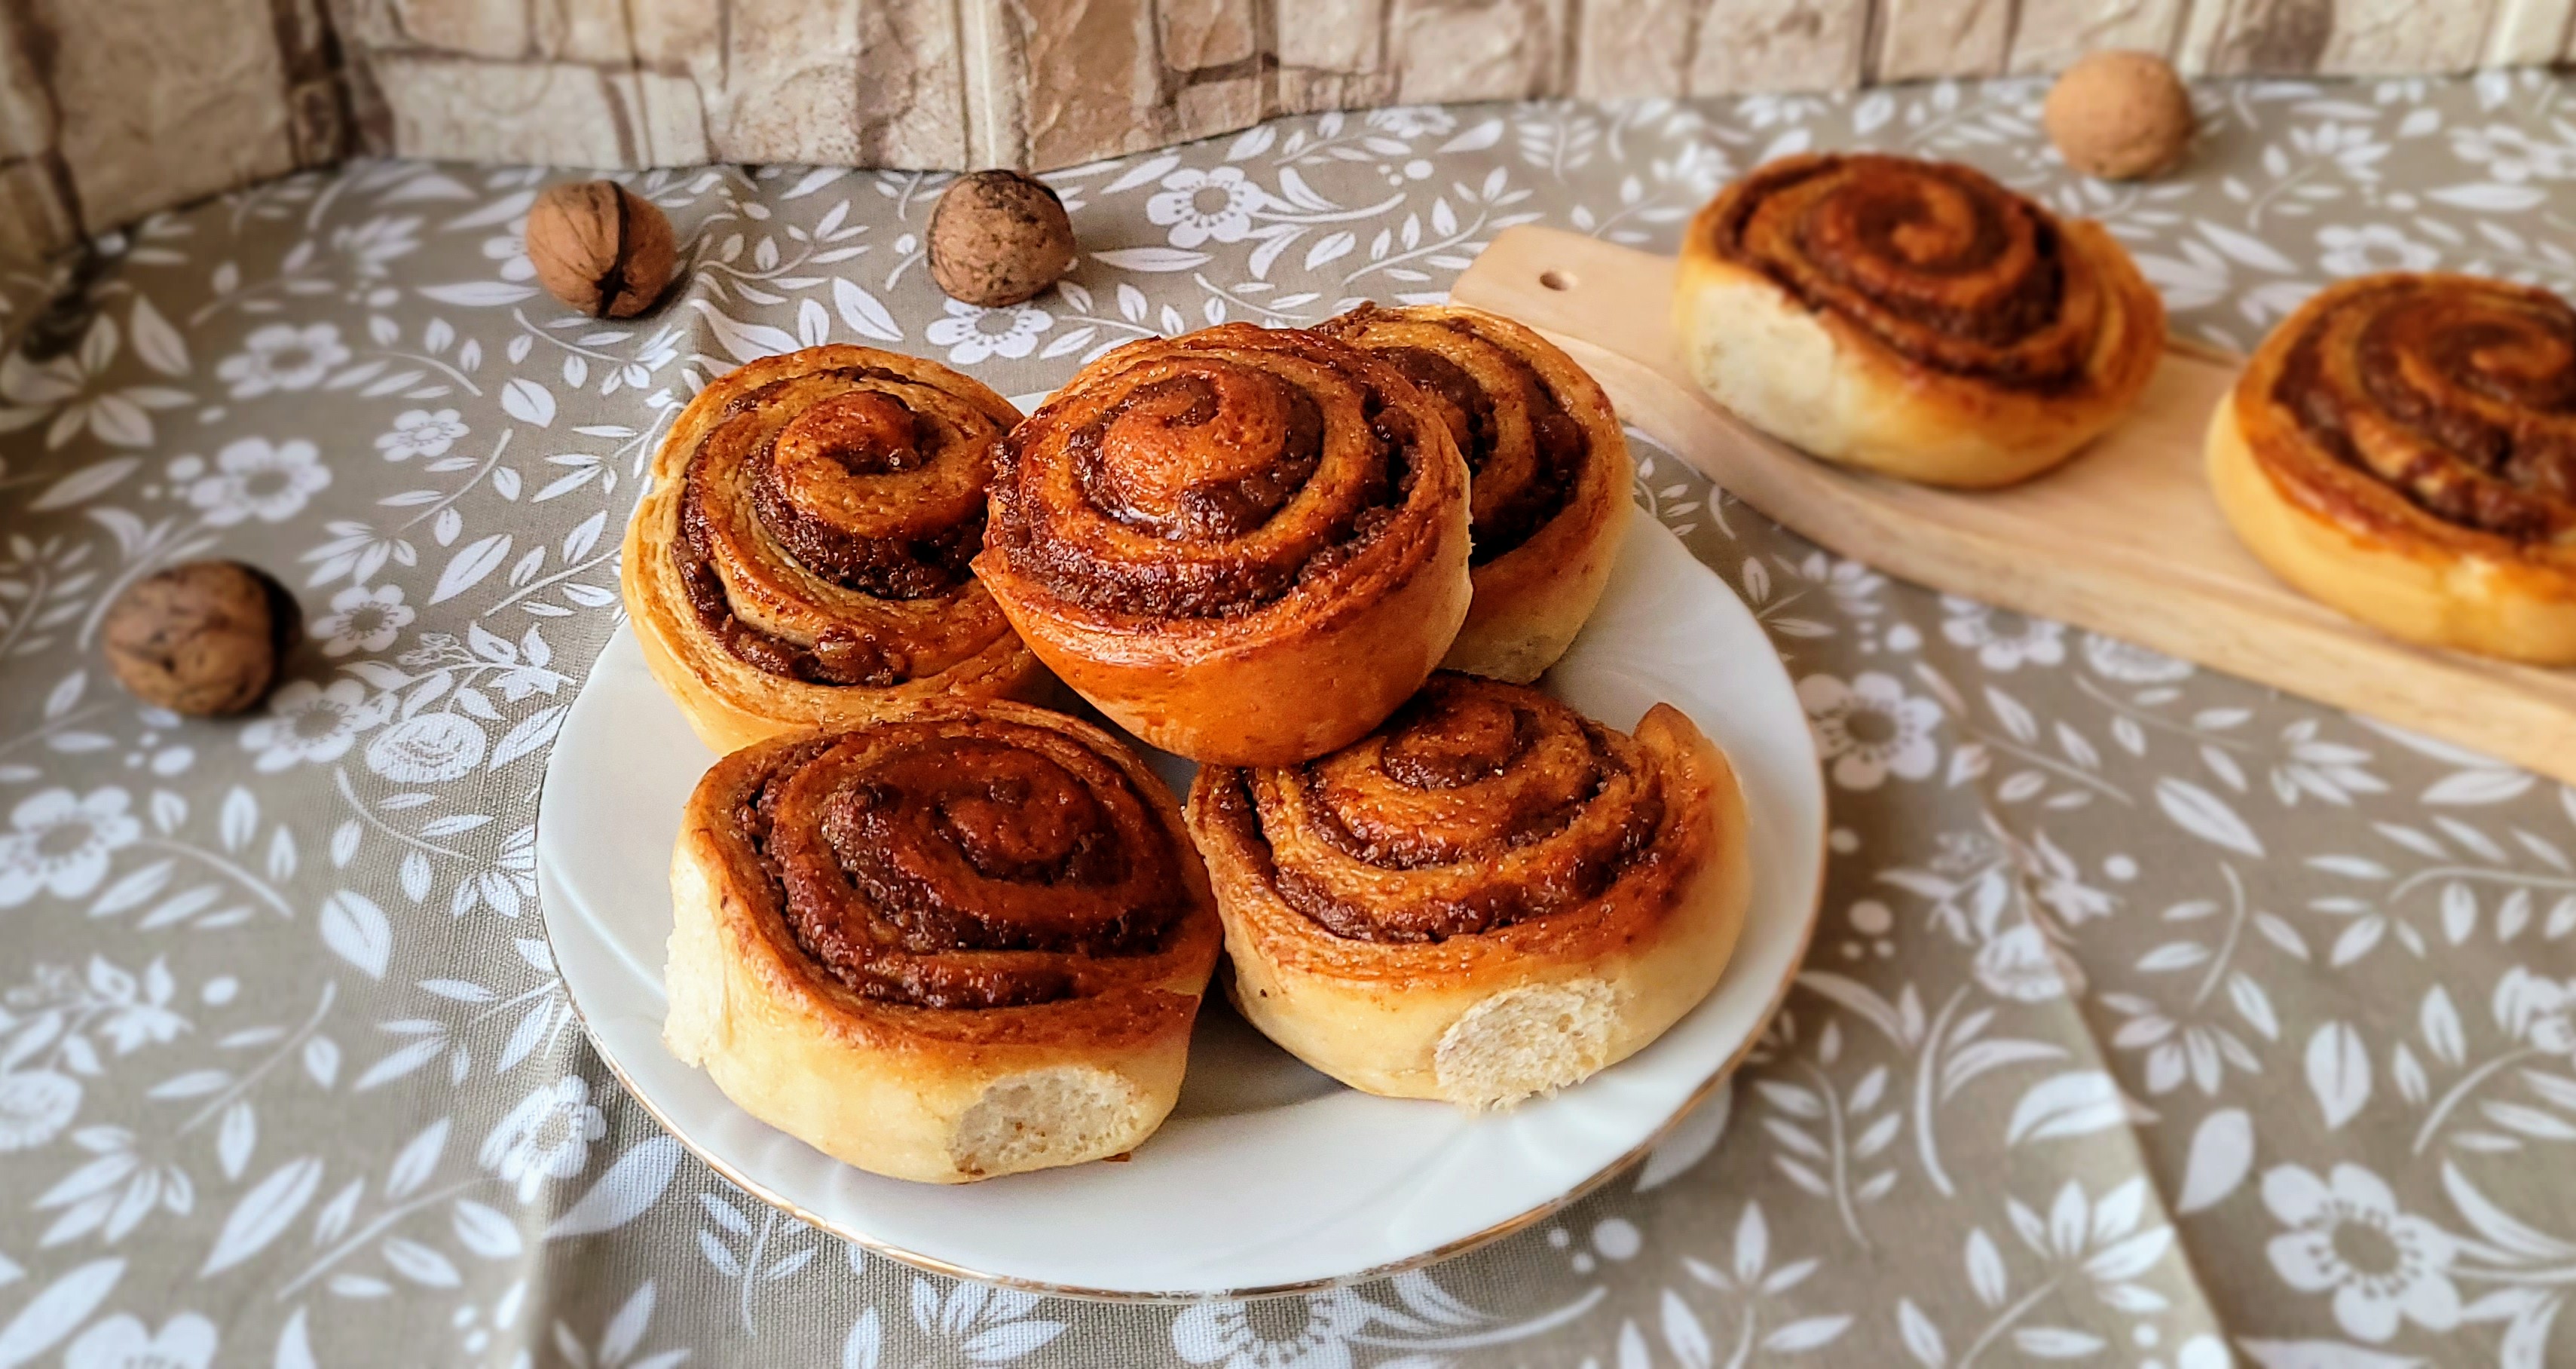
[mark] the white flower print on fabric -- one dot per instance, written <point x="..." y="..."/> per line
<point x="2371" y="248"/>
<point x="59" y="843"/>
<point x="2129" y="663"/>
<point x="2347" y="1235"/>
<point x="282" y="356"/>
<point x="974" y="335"/>
<point x="2023" y="965"/>
<point x="2002" y="639"/>
<point x="1200" y="207"/>
<point x="35" y="1105"/>
<point x="374" y="245"/>
<point x="1312" y="1332"/>
<point x="421" y="432"/>
<point x="2538" y="1011"/>
<point x="510" y="252"/>
<point x="186" y="1341"/>
<point x="1871" y="728"/>
<point x="2511" y="154"/>
<point x="1412" y="121"/>
<point x="363" y="619"/>
<point x="547" y="1136"/>
<point x="427" y="748"/>
<point x="255" y="478"/>
<point x="308" y="722"/>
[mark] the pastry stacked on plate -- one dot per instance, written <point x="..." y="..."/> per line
<point x="943" y="934"/>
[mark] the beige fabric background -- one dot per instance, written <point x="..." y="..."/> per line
<point x="2155" y="1020"/>
<point x="113" y="108"/>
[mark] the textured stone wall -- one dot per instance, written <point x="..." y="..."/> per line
<point x="112" y="108"/>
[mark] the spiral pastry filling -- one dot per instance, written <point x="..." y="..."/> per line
<point x="1525" y="451"/>
<point x="1936" y="261"/>
<point x="2458" y="393"/>
<point x="963" y="863"/>
<point x="1208" y="479"/>
<point x="824" y="505"/>
<point x="1478" y="806"/>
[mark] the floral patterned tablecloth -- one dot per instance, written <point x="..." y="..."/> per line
<point x="2155" y="1020"/>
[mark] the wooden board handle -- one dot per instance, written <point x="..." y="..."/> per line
<point x="2123" y="539"/>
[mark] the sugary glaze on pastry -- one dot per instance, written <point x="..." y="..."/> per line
<point x="963" y="863"/>
<point x="1245" y="545"/>
<point x="1525" y="452"/>
<point x="1549" y="474"/>
<point x="859" y="480"/>
<point x="1210" y="478"/>
<point x="2456" y="392"/>
<point x="2404" y="449"/>
<point x="1933" y="259"/>
<point x="1478" y="806"/>
<point x="802" y="558"/>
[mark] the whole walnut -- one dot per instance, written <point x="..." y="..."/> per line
<point x="998" y="238"/>
<point x="203" y="638"/>
<point x="2119" y="115"/>
<point x="601" y="248"/>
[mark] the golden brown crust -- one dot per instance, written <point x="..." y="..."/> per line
<point x="2404" y="448"/>
<point x="1485" y="842"/>
<point x="1912" y="317"/>
<point x="1548" y="474"/>
<point x="801" y="559"/>
<point x="880" y="929"/>
<point x="1245" y="545"/>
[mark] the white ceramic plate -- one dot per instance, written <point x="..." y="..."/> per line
<point x="1268" y="1177"/>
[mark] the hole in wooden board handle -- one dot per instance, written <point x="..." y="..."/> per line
<point x="1554" y="279"/>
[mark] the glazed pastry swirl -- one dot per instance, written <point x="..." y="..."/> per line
<point x="965" y="861"/>
<point x="1932" y="259"/>
<point x="801" y="560"/>
<point x="827" y="521"/>
<point x="1525" y="452"/>
<point x="1206" y="476"/>
<point x="2456" y="392"/>
<point x="1478" y="806"/>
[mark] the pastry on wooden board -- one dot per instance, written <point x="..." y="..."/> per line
<point x="2403" y="448"/>
<point x="965" y="942"/>
<point x="1488" y="898"/>
<point x="802" y="559"/>
<point x="1548" y="474"/>
<point x="1912" y="317"/>
<point x="1244" y="545"/>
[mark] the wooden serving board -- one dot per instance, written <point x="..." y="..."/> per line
<point x="2124" y="539"/>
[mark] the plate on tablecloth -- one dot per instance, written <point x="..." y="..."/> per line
<point x="1269" y="1177"/>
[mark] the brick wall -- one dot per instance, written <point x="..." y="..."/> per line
<point x="112" y="108"/>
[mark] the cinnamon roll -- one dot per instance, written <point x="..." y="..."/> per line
<point x="965" y="942"/>
<point x="1245" y="545"/>
<point x="802" y="559"/>
<point x="1487" y="898"/>
<point x="2403" y="448"/>
<point x="1547" y="474"/>
<point x="1912" y="317"/>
